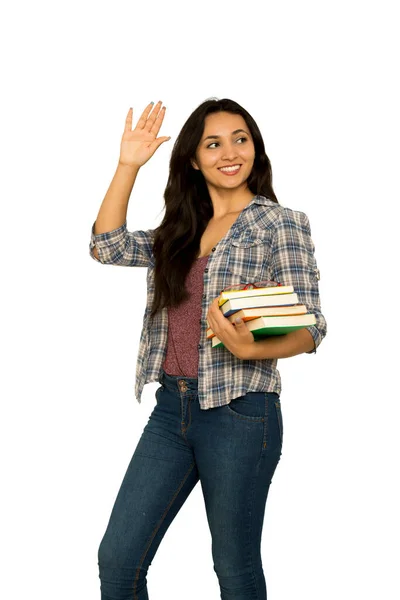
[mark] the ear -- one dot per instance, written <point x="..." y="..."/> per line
<point x="194" y="164"/>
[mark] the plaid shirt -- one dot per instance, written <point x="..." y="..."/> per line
<point x="267" y="241"/>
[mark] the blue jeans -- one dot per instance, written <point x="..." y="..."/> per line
<point x="233" y="450"/>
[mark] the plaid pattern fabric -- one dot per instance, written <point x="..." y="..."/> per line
<point x="267" y="241"/>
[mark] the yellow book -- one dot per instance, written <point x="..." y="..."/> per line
<point x="264" y="291"/>
<point x="235" y="304"/>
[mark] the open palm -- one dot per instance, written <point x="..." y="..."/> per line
<point x="139" y="144"/>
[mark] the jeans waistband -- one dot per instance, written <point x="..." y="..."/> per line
<point x="178" y="382"/>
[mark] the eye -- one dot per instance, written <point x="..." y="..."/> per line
<point x="214" y="143"/>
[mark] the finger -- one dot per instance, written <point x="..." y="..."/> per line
<point x="143" y="118"/>
<point x="157" y="143"/>
<point x="128" y="120"/>
<point x="214" y="315"/>
<point x="214" y="306"/>
<point x="158" y="122"/>
<point x="152" y="117"/>
<point x="212" y="323"/>
<point x="210" y="318"/>
<point x="222" y="322"/>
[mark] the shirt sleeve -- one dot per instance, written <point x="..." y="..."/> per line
<point x="122" y="247"/>
<point x="294" y="263"/>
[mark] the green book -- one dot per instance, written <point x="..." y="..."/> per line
<point x="263" y="327"/>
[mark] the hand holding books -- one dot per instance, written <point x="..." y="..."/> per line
<point x="266" y="307"/>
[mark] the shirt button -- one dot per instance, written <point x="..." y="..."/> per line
<point x="213" y="249"/>
<point x="199" y="346"/>
<point x="206" y="270"/>
<point x="204" y="296"/>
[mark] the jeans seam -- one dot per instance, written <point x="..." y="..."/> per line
<point x="265" y="422"/>
<point x="135" y="596"/>
<point x="278" y="415"/>
<point x="251" y="522"/>
<point x="184" y="429"/>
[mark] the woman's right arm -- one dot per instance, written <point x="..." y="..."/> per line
<point x="110" y="242"/>
<point x="112" y="213"/>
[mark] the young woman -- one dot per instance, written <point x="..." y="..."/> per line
<point x="218" y="416"/>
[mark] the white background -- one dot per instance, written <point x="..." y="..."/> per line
<point x="320" y="79"/>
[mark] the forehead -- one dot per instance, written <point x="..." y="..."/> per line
<point x="223" y="123"/>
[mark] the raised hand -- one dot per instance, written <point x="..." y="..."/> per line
<point x="139" y="144"/>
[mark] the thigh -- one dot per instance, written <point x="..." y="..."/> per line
<point x="235" y="469"/>
<point x="160" y="476"/>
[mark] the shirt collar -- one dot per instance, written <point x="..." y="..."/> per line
<point x="262" y="200"/>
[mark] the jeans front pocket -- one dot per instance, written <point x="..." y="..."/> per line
<point x="251" y="407"/>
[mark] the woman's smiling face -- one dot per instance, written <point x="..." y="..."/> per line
<point x="226" y="142"/>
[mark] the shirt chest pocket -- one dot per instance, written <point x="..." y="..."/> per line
<point x="249" y="255"/>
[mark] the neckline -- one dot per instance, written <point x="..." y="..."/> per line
<point x="233" y="226"/>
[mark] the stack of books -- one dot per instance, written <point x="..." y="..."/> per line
<point x="266" y="311"/>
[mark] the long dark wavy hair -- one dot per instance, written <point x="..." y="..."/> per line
<point x="188" y="206"/>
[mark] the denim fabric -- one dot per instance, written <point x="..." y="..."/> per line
<point x="233" y="450"/>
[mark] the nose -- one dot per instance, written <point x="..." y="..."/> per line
<point x="229" y="153"/>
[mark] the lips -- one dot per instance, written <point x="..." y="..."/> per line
<point x="231" y="171"/>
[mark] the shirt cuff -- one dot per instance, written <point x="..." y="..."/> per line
<point x="316" y="336"/>
<point x="103" y="240"/>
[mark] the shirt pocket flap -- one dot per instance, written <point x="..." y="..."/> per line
<point x="247" y="240"/>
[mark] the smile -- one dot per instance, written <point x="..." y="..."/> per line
<point x="230" y="170"/>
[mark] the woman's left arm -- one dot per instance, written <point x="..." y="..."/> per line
<point x="293" y="263"/>
<point x="280" y="346"/>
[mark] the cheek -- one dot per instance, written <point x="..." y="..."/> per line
<point x="209" y="161"/>
<point x="249" y="153"/>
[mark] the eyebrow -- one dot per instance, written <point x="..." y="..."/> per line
<point x="215" y="137"/>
